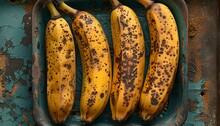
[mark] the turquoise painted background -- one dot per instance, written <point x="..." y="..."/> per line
<point x="15" y="71"/>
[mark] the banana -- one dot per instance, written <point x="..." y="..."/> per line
<point x="96" y="62"/>
<point x="163" y="63"/>
<point x="60" y="58"/>
<point x="129" y="60"/>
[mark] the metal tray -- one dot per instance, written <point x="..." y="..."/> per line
<point x="177" y="109"/>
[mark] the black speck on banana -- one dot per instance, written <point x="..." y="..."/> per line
<point x="61" y="75"/>
<point x="164" y="56"/>
<point x="129" y="60"/>
<point x="96" y="62"/>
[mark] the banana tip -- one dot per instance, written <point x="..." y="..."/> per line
<point x="147" y="117"/>
<point x="86" y="122"/>
<point x="58" y="121"/>
<point x="120" y="119"/>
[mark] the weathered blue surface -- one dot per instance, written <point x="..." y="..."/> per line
<point x="15" y="65"/>
<point x="195" y="102"/>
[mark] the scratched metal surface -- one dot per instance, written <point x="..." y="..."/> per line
<point x="202" y="53"/>
<point x="15" y="63"/>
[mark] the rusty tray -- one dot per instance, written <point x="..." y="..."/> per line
<point x="177" y="108"/>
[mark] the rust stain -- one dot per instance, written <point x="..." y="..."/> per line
<point x="36" y="69"/>
<point x="14" y="89"/>
<point x="2" y="88"/>
<point x="17" y="64"/>
<point x="3" y="63"/>
<point x="202" y="53"/>
<point x="202" y="116"/>
<point x="205" y="96"/>
<point x="193" y="27"/>
<point x="193" y="105"/>
<point x="195" y="72"/>
<point x="208" y="118"/>
<point x="209" y="109"/>
<point x="25" y="117"/>
<point x="28" y="6"/>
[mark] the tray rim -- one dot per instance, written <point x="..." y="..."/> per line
<point x="41" y="119"/>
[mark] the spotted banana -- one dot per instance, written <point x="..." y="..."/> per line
<point x="96" y="62"/>
<point x="60" y="57"/>
<point x="164" y="55"/>
<point x="129" y="59"/>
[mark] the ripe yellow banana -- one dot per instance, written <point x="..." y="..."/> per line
<point x="129" y="60"/>
<point x="96" y="62"/>
<point x="164" y="56"/>
<point x="60" y="57"/>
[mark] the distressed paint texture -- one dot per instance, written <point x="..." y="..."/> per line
<point x="202" y="62"/>
<point x="15" y="66"/>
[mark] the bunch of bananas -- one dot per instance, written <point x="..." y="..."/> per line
<point x="125" y="86"/>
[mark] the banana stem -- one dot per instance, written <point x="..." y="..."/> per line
<point x="146" y="3"/>
<point x="115" y="3"/>
<point x="65" y="8"/>
<point x="53" y="11"/>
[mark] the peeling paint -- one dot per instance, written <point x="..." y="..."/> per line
<point x="28" y="5"/>
<point x="3" y="63"/>
<point x="202" y="65"/>
<point x="27" y="28"/>
<point x="193" y="105"/>
<point x="14" y="89"/>
<point x="25" y="117"/>
<point x="15" y="66"/>
<point x="196" y="101"/>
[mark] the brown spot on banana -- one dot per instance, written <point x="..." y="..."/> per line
<point x="68" y="66"/>
<point x="101" y="95"/>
